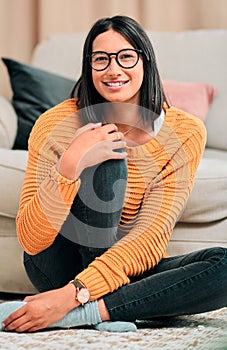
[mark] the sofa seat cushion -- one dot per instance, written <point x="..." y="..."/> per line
<point x="191" y="237"/>
<point x="8" y="123"/>
<point x="215" y="153"/>
<point x="13" y="276"/>
<point x="208" y="200"/>
<point x="12" y="171"/>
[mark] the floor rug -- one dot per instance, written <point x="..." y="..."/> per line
<point x="207" y="331"/>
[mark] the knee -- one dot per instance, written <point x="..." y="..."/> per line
<point x="110" y="179"/>
<point x="216" y="254"/>
<point x="114" y="168"/>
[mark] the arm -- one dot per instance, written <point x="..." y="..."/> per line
<point x="45" y="202"/>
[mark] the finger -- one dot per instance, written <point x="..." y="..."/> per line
<point x="17" y="323"/>
<point x="118" y="155"/>
<point x="29" y="298"/>
<point x="14" y="316"/>
<point x="92" y="126"/>
<point x="109" y="128"/>
<point x="27" y="327"/>
<point x="118" y="144"/>
<point x="116" y="136"/>
<point x="34" y="329"/>
<point x="87" y="127"/>
<point x="111" y="145"/>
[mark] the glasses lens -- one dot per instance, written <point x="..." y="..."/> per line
<point x="128" y="58"/>
<point x="99" y="60"/>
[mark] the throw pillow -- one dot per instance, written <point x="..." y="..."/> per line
<point x="34" y="91"/>
<point x="194" y="98"/>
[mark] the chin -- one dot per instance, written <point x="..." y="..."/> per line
<point x="115" y="99"/>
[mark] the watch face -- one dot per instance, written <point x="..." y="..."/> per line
<point x="83" y="295"/>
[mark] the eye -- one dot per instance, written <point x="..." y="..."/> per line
<point x="99" y="58"/>
<point x="127" y="56"/>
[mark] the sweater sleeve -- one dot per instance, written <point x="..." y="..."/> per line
<point x="44" y="206"/>
<point x="144" y="246"/>
<point x="46" y="196"/>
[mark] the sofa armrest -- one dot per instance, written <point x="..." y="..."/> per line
<point x="8" y="123"/>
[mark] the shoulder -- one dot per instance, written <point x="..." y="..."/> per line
<point x="186" y="125"/>
<point x="49" y="120"/>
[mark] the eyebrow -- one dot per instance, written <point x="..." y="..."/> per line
<point x="125" y="48"/>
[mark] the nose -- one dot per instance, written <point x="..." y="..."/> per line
<point x="113" y="68"/>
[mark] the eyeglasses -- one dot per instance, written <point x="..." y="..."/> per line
<point x="126" y="58"/>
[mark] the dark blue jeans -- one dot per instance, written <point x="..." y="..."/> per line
<point x="188" y="284"/>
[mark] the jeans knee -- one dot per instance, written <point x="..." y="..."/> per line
<point x="110" y="179"/>
<point x="115" y="168"/>
<point x="216" y="254"/>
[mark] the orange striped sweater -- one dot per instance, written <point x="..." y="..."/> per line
<point x="160" y="178"/>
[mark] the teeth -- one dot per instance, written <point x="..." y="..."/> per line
<point x="115" y="84"/>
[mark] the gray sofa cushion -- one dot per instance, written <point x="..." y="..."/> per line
<point x="8" y="123"/>
<point x="208" y="200"/>
<point x="12" y="170"/>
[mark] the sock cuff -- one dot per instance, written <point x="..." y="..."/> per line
<point x="92" y="312"/>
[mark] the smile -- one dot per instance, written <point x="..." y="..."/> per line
<point x="116" y="84"/>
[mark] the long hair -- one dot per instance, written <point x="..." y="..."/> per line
<point x="152" y="95"/>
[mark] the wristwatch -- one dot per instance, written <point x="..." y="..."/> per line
<point x="82" y="293"/>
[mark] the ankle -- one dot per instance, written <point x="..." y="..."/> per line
<point x="103" y="311"/>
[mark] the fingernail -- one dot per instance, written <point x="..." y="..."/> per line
<point x="96" y="125"/>
<point x="3" y="324"/>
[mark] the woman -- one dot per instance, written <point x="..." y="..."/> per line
<point x="108" y="175"/>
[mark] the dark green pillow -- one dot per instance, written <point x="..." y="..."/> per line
<point x="34" y="91"/>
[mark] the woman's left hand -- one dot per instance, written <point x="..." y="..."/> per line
<point x="42" y="310"/>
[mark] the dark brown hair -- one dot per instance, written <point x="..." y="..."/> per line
<point x="152" y="95"/>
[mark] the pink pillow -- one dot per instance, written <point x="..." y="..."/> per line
<point x="194" y="98"/>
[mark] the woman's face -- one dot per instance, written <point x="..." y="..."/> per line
<point x="117" y="84"/>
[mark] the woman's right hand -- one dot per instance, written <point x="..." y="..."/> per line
<point x="91" y="145"/>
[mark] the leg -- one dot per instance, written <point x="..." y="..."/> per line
<point x="176" y="286"/>
<point x="92" y="223"/>
<point x="96" y="210"/>
<point x="55" y="266"/>
<point x="188" y="284"/>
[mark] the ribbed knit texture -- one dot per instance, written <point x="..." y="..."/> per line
<point x="160" y="178"/>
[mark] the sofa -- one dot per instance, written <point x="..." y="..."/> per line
<point x="195" y="62"/>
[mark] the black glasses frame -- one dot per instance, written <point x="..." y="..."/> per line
<point x="116" y="54"/>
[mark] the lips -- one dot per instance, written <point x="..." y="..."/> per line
<point x="115" y="84"/>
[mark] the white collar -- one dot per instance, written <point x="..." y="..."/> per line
<point x="158" y="122"/>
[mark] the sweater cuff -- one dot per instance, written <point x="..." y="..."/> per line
<point x="94" y="282"/>
<point x="56" y="177"/>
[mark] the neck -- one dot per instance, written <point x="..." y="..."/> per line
<point x="125" y="115"/>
